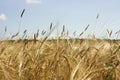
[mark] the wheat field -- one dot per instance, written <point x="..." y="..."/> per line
<point x="60" y="59"/>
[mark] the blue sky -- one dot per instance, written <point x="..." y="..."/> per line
<point x="74" y="14"/>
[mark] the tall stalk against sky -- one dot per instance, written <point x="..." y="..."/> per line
<point x="21" y="16"/>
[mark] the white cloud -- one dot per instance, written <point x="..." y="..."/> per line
<point x="3" y="17"/>
<point x="33" y="1"/>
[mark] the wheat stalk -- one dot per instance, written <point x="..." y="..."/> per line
<point x="22" y="13"/>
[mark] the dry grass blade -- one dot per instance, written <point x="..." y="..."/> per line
<point x="25" y="31"/>
<point x="37" y="33"/>
<point x="43" y="32"/>
<point x="84" y="30"/>
<point x="50" y="26"/>
<point x="81" y="34"/>
<point x="63" y="28"/>
<point x="109" y="32"/>
<point x="74" y="71"/>
<point x="13" y="36"/>
<point x="35" y="38"/>
<point x="86" y="27"/>
<point x="93" y="36"/>
<point x="22" y="13"/>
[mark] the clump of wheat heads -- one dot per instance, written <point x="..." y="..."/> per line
<point x="71" y="59"/>
<point x="59" y="59"/>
